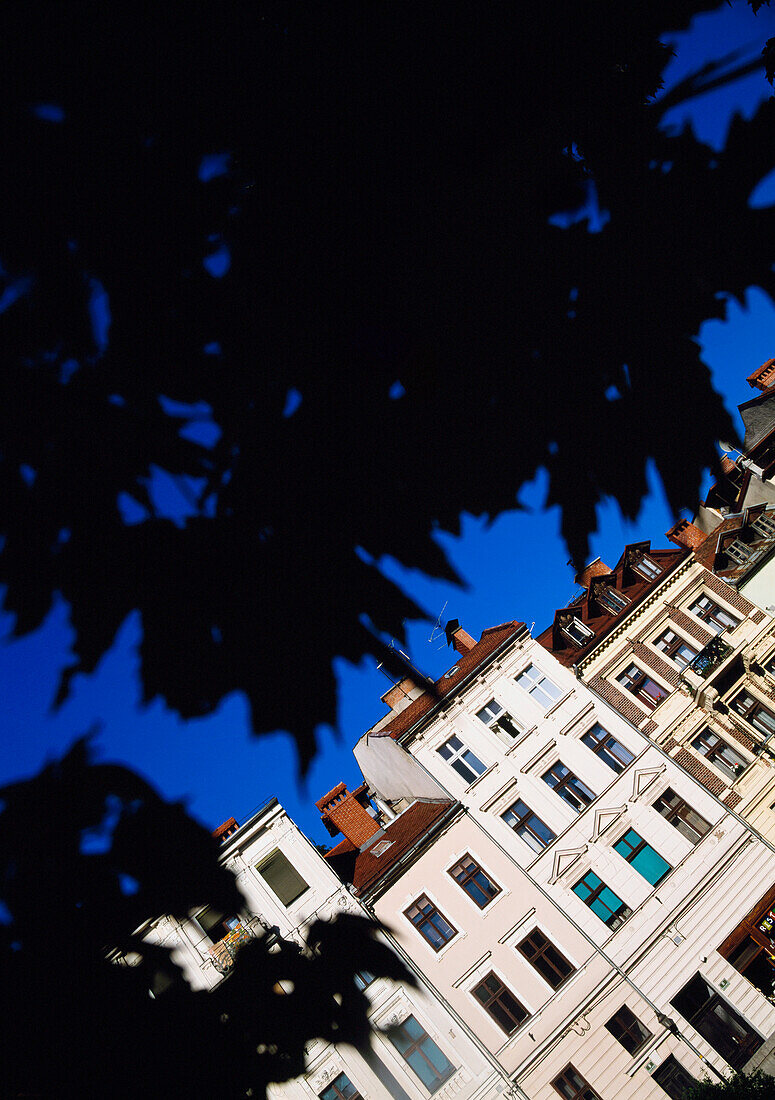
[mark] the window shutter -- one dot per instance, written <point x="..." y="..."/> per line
<point x="282" y="877"/>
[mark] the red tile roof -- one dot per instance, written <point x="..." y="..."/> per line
<point x="491" y="639"/>
<point x="363" y="869"/>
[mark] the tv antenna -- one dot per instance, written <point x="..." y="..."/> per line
<point x="437" y="627"/>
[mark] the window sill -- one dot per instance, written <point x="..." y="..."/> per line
<point x="563" y="698"/>
<point x="479" y="778"/>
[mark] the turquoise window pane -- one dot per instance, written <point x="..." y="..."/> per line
<point x="651" y="865"/>
<point x="584" y="888"/>
<point x="609" y="898"/>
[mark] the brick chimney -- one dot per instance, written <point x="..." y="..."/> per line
<point x="344" y="812"/>
<point x="763" y="377"/>
<point x="223" y="832"/>
<point x="596" y="568"/>
<point x="459" y="639"/>
<point x="400" y="695"/>
<point x="684" y="533"/>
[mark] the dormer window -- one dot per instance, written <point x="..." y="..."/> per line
<point x="496" y="718"/>
<point x="611" y="599"/>
<point x="764" y="525"/>
<point x="647" y="567"/>
<point x="578" y="632"/>
<point x="738" y="552"/>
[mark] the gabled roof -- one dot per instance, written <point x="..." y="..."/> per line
<point x="588" y="608"/>
<point x="711" y="551"/>
<point x="491" y="640"/>
<point x="365" y="870"/>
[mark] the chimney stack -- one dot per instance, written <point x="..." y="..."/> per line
<point x="344" y="812"/>
<point x="458" y="638"/>
<point x="596" y="568"/>
<point x="223" y="832"/>
<point x="763" y="377"/>
<point x="686" y="534"/>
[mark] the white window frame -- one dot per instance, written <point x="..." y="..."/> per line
<point x="714" y="599"/>
<point x="495" y="717"/>
<point x="457" y="755"/>
<point x="537" y="691"/>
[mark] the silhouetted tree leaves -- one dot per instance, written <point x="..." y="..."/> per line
<point x="90" y="853"/>
<point x="389" y="301"/>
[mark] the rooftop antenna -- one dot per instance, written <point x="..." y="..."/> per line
<point x="437" y="627"/>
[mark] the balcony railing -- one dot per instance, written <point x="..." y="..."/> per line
<point x="709" y="658"/>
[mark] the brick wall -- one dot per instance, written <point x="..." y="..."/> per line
<point x="722" y="589"/>
<point x="698" y="770"/>
<point x="757" y="617"/>
<point x="618" y="700"/>
<point x="689" y="625"/>
<point x="733" y="800"/>
<point x="656" y="663"/>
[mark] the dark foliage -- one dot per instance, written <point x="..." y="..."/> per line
<point x="89" y="851"/>
<point x="740" y="1086"/>
<point x="388" y="212"/>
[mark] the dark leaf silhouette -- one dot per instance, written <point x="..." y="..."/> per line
<point x="76" y="1024"/>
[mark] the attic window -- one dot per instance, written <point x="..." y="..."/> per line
<point x="380" y="848"/>
<point x="578" y="632"/>
<point x="764" y="525"/>
<point x="738" y="551"/>
<point x="611" y="599"/>
<point x="451" y="672"/>
<point x="647" y="567"/>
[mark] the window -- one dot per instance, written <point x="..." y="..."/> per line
<point x="430" y="923"/>
<point x="461" y="759"/>
<point x="642" y="856"/>
<point x="647" y="567"/>
<point x="421" y="1053"/>
<point x="611" y="599"/>
<point x="474" y="881"/>
<point x="500" y="1002"/>
<point x="341" y="1088"/>
<point x="642" y="686"/>
<point x="627" y="1029"/>
<point x="496" y="718"/>
<point x="676" y="1081"/>
<point x="281" y="877"/>
<point x="553" y="967"/>
<point x="363" y="978"/>
<point x="578" y="632"/>
<point x="714" y="617"/>
<point x="538" y="686"/>
<point x="603" y="902"/>
<point x="572" y="1086"/>
<point x="738" y="551"/>
<point x="719" y="753"/>
<point x="764" y="525"/>
<point x="718" y="1023"/>
<point x="526" y="824"/>
<point x="755" y="712"/>
<point x="680" y="814"/>
<point x="564" y="783"/>
<point x="674" y="647"/>
<point x="610" y="751"/>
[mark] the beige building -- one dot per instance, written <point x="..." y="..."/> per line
<point x="595" y="859"/>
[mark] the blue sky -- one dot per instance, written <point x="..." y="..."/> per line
<point x="214" y="763"/>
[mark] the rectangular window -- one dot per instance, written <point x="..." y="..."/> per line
<point x="553" y="967"/>
<point x="719" y="753"/>
<point x="341" y="1088"/>
<point x="627" y="1029"/>
<point x="500" y="1002"/>
<point x="527" y="825"/>
<point x="764" y="525"/>
<point x="610" y="751"/>
<point x="649" y="692"/>
<point x="578" y="631"/>
<point x="718" y="1023"/>
<point x="459" y="757"/>
<point x="642" y="856"/>
<point x="478" y="885"/>
<point x="281" y="877"/>
<point x="673" y="1079"/>
<point x="680" y="814"/>
<point x="572" y="1086"/>
<point x="738" y="551"/>
<point x="714" y="617"/>
<point x="496" y="718"/>
<point x="539" y="686"/>
<point x="430" y="922"/>
<point x="611" y="599"/>
<point x="421" y="1053"/>
<point x="363" y="978"/>
<point x="647" y="567"/>
<point x="603" y="902"/>
<point x="755" y="712"/>
<point x="674" y="647"/>
<point x="570" y="788"/>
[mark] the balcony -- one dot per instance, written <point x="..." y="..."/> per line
<point x="709" y="658"/>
